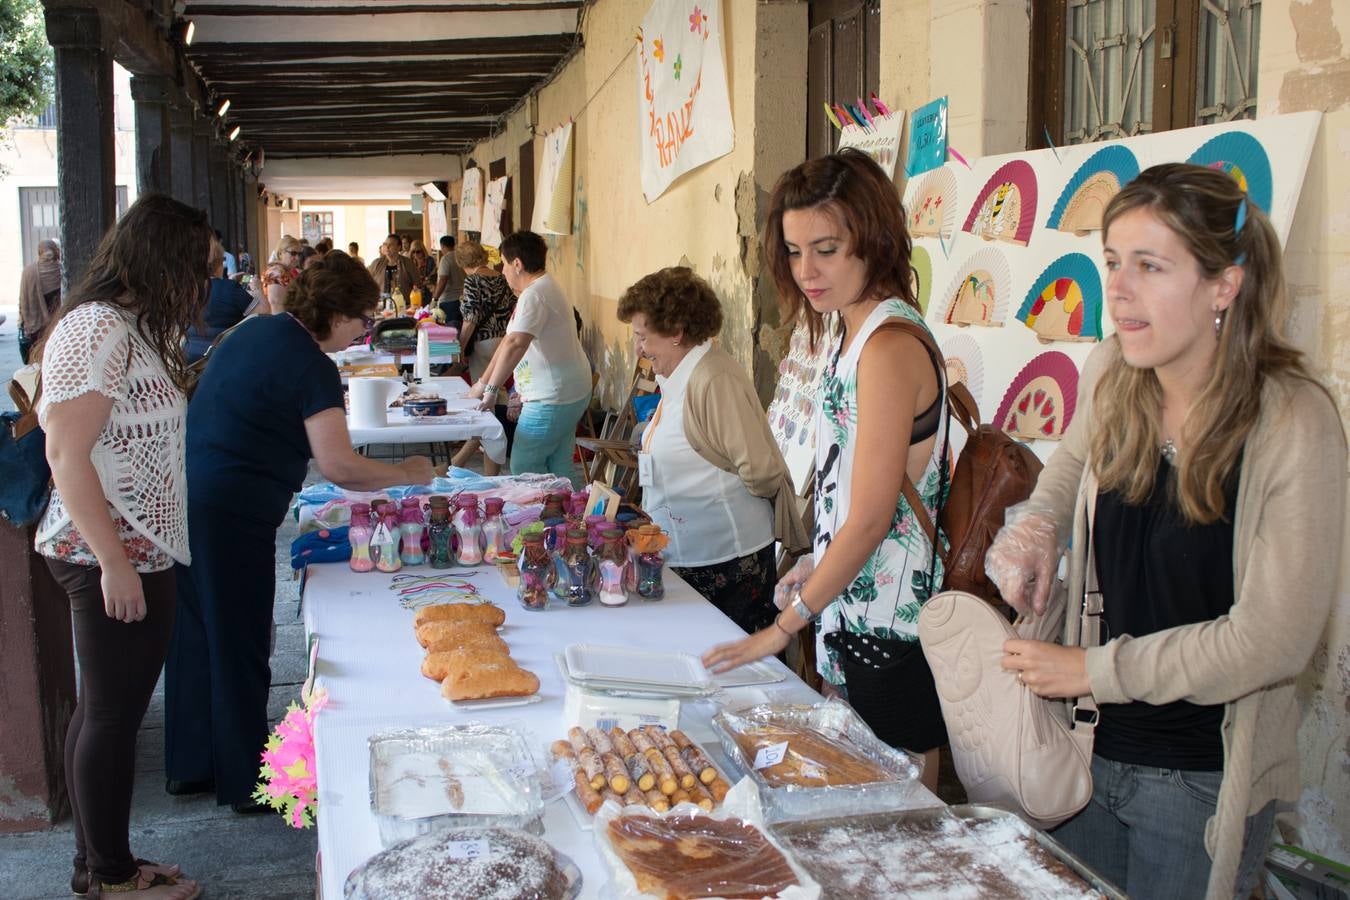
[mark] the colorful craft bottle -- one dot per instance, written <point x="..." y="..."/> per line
<point x="611" y="563"/>
<point x="555" y="534"/>
<point x="649" y="543"/>
<point x="411" y="526"/>
<point x="535" y="570"/>
<point x="469" y="530"/>
<point x="441" y="553"/>
<point x="576" y="577"/>
<point x="576" y="505"/>
<point x="495" y="542"/>
<point x="359" y="534"/>
<point x="595" y="528"/>
<point x="384" y="542"/>
<point x="554" y="507"/>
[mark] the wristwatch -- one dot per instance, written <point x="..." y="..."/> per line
<point x="800" y="607"/>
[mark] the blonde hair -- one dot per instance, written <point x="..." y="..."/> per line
<point x="470" y="255"/>
<point x="216" y="258"/>
<point x="1201" y="206"/>
<point x="287" y="244"/>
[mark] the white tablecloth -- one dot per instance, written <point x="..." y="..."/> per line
<point x="463" y="422"/>
<point x="369" y="662"/>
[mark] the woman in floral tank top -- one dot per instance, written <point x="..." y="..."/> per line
<point x="837" y="246"/>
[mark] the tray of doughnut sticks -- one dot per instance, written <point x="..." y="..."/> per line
<point x="646" y="766"/>
<point x="469" y="659"/>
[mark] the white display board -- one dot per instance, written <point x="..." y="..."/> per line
<point x="684" y="108"/>
<point x="492" y="211"/>
<point x="471" y="201"/>
<point x="880" y="140"/>
<point x="553" y="187"/>
<point x="792" y="411"/>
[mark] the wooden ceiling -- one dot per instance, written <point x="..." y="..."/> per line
<point x="362" y="78"/>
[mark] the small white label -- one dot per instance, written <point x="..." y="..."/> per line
<point x="771" y="755"/>
<point x="467" y="850"/>
<point x="645" y="470"/>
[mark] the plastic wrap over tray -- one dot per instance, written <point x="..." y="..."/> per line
<point x="429" y="779"/>
<point x="816" y="761"/>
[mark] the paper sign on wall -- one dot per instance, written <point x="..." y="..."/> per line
<point x="927" y="138"/>
<point x="553" y="197"/>
<point x="880" y="140"/>
<point x="471" y="201"/>
<point x="492" y="211"/>
<point x="684" y="110"/>
<point x="436" y="219"/>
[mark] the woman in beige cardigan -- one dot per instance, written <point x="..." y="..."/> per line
<point x="1215" y="465"/>
<point x="712" y="476"/>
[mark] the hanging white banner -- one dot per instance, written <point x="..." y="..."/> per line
<point x="492" y="212"/>
<point x="684" y="109"/>
<point x="471" y="201"/>
<point x="553" y="189"/>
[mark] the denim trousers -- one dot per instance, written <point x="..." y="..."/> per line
<point x="546" y="437"/>
<point x="1144" y="831"/>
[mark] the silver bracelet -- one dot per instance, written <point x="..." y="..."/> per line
<point x="800" y="608"/>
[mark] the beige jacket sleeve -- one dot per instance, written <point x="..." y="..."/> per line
<point x="726" y="426"/>
<point x="1294" y="474"/>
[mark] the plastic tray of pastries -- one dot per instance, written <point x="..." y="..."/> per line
<point x="841" y="768"/>
<point x="429" y="779"/>
<point x="957" y="851"/>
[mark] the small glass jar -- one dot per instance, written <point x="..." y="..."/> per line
<point x="441" y="553"/>
<point x="495" y="542"/>
<point x="411" y="527"/>
<point x="535" y="569"/>
<point x="359" y="533"/>
<point x="469" y="531"/>
<point x="576" y="575"/>
<point x="650" y="563"/>
<point x="384" y="542"/>
<point x="610" y="569"/>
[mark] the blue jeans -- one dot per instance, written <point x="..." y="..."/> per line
<point x="546" y="437"/>
<point x="1144" y="831"/>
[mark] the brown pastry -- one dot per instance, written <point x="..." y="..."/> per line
<point x="812" y="759"/>
<point x="429" y="633"/>
<point x="486" y="638"/>
<point x="467" y="660"/>
<point x="504" y="679"/>
<point x="680" y="857"/>
<point x="485" y="613"/>
<point x="434" y="865"/>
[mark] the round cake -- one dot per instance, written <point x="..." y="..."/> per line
<point x="467" y="863"/>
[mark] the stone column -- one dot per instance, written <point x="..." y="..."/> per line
<point x="239" y="220"/>
<point x="220" y="180"/>
<point x="180" y="128"/>
<point x="201" y="164"/>
<point x="154" y="152"/>
<point x="86" y="180"/>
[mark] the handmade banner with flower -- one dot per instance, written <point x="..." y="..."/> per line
<point x="289" y="784"/>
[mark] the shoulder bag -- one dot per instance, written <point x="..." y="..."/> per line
<point x="25" y="477"/>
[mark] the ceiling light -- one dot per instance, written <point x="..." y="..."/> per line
<point x="224" y="108"/>
<point x="234" y="133"/>
<point x="188" y="32"/>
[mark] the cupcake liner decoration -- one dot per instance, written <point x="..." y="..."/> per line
<point x="979" y="293"/>
<point x="1241" y="156"/>
<point x="965" y="364"/>
<point x="1005" y="210"/>
<point x="932" y="211"/>
<point x="1065" y="302"/>
<point x="1081" y="204"/>
<point x="1040" y="402"/>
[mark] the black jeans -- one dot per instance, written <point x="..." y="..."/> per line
<point x="119" y="665"/>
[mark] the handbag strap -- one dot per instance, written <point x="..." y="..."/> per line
<point x="1090" y="620"/>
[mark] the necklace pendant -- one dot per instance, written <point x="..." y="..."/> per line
<point x="1169" y="451"/>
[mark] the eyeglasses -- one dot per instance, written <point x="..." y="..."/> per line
<point x="368" y="321"/>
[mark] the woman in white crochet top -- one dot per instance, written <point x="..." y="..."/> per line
<point x="112" y="406"/>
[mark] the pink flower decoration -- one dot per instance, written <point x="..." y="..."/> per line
<point x="696" y="20"/>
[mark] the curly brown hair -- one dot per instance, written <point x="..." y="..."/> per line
<point x="675" y="301"/>
<point x="470" y="255"/>
<point x="336" y="285"/>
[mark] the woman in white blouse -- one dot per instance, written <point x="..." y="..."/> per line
<point x="112" y="407"/>
<point x="712" y="476"/>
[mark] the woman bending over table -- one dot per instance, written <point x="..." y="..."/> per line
<point x="270" y="400"/>
<point x="836" y="243"/>
<point x="1214" y="463"/>
<point x="112" y="405"/>
<point x="712" y="476"/>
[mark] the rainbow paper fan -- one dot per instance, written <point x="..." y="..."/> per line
<point x="1240" y="155"/>
<point x="921" y="271"/>
<point x="1039" y="404"/>
<point x="1005" y="210"/>
<point x="932" y="212"/>
<point x="978" y="295"/>
<point x="1065" y="302"/>
<point x="965" y="363"/>
<point x="1081" y="204"/>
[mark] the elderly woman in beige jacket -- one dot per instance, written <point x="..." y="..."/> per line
<point x="1215" y="467"/>
<point x="712" y="476"/>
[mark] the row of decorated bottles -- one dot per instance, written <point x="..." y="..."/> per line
<point x="391" y="536"/>
<point x="577" y="569"/>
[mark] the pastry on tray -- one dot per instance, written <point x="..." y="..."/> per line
<point x="480" y="636"/>
<point x="812" y="759"/>
<point x="497" y="677"/>
<point x="462" y="864"/>
<point x="439" y="630"/>
<point x="488" y="613"/>
<point x="677" y="856"/>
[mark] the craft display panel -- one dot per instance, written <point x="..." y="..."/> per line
<point x="1012" y="255"/>
<point x="792" y="411"/>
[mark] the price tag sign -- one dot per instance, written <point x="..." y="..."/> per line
<point x="771" y="755"/>
<point x="467" y="850"/>
<point x="646" y="471"/>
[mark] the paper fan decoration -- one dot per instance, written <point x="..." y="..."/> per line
<point x="1081" y="204"/>
<point x="932" y="213"/>
<point x="979" y="293"/>
<point x="965" y="363"/>
<point x="1241" y="156"/>
<point x="1039" y="403"/>
<point x="1005" y="209"/>
<point x="1065" y="302"/>
<point x="921" y="271"/>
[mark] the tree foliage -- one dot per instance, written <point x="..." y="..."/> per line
<point x="25" y="60"/>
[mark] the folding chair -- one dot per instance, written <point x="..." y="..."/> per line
<point x="613" y="461"/>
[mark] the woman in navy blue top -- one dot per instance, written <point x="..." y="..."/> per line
<point x="228" y="305"/>
<point x="268" y="402"/>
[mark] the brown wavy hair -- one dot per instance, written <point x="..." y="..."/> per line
<point x="154" y="263"/>
<point x="851" y="186"/>
<point x="674" y="300"/>
<point x="1200" y="205"/>
<point x="335" y="285"/>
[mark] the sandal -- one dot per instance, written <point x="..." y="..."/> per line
<point x="144" y="879"/>
<point x="79" y="877"/>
